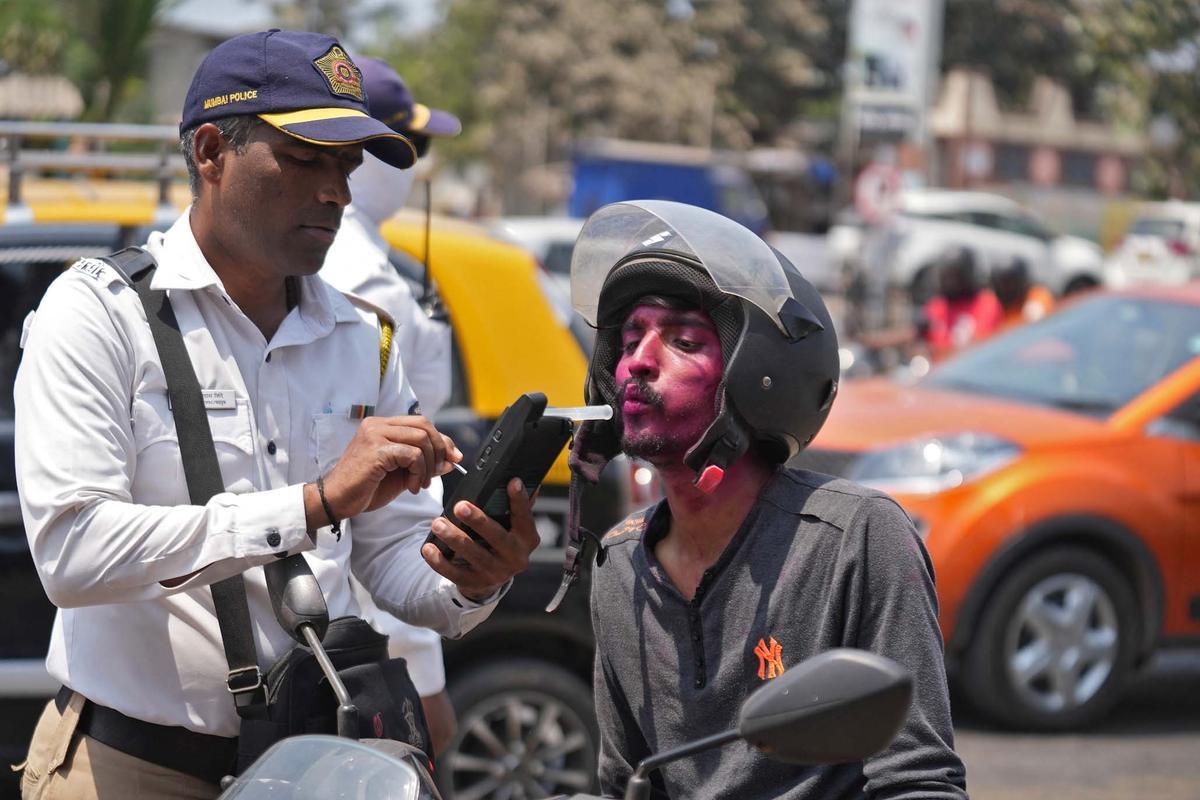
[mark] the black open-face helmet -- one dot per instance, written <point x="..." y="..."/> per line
<point x="780" y="350"/>
<point x="779" y="346"/>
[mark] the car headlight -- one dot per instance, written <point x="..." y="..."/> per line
<point x="932" y="464"/>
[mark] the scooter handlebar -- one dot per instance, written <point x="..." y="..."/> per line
<point x="296" y="597"/>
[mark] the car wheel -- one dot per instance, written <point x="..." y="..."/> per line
<point x="526" y="729"/>
<point x="1055" y="642"/>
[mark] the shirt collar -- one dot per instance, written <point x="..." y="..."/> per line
<point x="182" y="265"/>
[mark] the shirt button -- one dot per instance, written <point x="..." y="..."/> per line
<point x="271" y="448"/>
<point x="273" y="538"/>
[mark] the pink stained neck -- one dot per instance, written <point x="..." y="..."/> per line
<point x="704" y="522"/>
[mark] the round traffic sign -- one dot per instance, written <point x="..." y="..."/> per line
<point x="876" y="192"/>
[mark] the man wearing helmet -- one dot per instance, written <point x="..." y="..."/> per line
<point x="960" y="313"/>
<point x="963" y="311"/>
<point x="720" y="362"/>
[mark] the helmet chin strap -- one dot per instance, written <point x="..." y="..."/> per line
<point x="592" y="448"/>
<point x="725" y="441"/>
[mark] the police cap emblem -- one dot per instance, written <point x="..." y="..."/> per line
<point x="340" y="73"/>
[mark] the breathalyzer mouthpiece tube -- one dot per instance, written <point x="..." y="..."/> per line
<point x="580" y="413"/>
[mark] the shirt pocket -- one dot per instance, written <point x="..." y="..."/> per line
<point x="329" y="436"/>
<point x="159" y="476"/>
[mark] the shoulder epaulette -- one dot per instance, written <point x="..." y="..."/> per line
<point x="387" y="329"/>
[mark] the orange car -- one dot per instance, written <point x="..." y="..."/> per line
<point x="1054" y="473"/>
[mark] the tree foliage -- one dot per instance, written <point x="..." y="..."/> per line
<point x="1147" y="56"/>
<point x="100" y="45"/>
<point x="1016" y="41"/>
<point x="33" y="35"/>
<point x="785" y="62"/>
<point x="1128" y="61"/>
<point x="530" y="78"/>
<point x="111" y="66"/>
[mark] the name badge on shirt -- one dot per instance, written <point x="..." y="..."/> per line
<point x="219" y="399"/>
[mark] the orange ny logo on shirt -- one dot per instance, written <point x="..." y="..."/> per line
<point x="770" y="658"/>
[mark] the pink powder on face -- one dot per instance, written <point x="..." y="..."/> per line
<point x="669" y="371"/>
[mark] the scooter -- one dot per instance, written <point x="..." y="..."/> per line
<point x="839" y="706"/>
<point x="316" y="766"/>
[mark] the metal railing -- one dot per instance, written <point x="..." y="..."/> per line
<point x="160" y="160"/>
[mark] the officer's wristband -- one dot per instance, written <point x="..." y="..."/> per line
<point x="334" y="525"/>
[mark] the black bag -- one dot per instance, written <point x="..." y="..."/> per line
<point x="300" y="700"/>
<point x="294" y="698"/>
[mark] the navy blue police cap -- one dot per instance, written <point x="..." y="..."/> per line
<point x="301" y="83"/>
<point x="392" y="103"/>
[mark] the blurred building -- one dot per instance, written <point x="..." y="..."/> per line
<point x="1045" y="145"/>
<point x="1067" y="168"/>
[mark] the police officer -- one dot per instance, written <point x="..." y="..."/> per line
<point x="309" y="437"/>
<point x="358" y="263"/>
<point x="721" y="364"/>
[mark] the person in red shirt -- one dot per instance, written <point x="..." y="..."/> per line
<point x="962" y="311"/>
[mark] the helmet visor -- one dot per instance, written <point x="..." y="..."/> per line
<point x="738" y="262"/>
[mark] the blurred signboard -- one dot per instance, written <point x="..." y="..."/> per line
<point x="892" y="58"/>
<point x="885" y="119"/>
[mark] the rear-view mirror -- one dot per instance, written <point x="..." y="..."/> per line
<point x="839" y="706"/>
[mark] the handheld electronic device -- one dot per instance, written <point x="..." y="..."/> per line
<point x="522" y="444"/>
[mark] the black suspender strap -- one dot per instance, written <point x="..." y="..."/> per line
<point x="200" y="468"/>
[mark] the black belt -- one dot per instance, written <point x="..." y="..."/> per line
<point x="201" y="755"/>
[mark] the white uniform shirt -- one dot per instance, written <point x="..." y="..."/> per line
<point x="105" y="502"/>
<point x="357" y="263"/>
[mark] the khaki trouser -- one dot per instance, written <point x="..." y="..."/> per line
<point x="65" y="766"/>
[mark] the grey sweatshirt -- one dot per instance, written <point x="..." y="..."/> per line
<point x="819" y="563"/>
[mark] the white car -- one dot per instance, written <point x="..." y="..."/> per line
<point x="928" y="222"/>
<point x="1162" y="246"/>
<point x="550" y="239"/>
